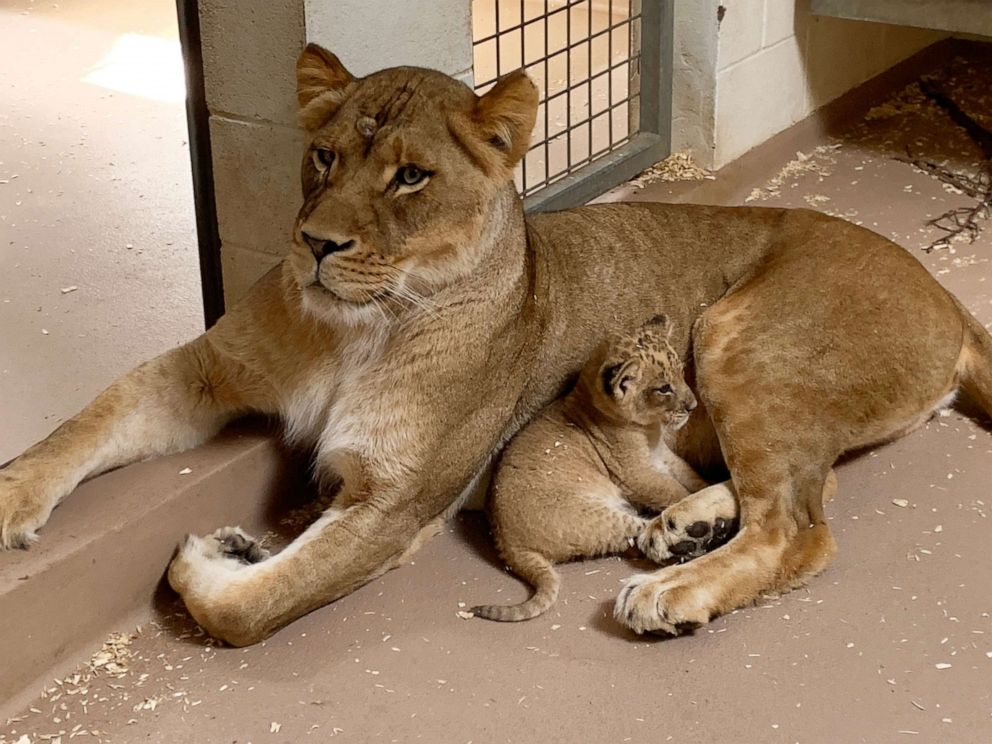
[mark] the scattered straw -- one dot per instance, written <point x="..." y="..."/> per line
<point x="678" y="166"/>
<point x="909" y="100"/>
<point x="113" y="660"/>
<point x="818" y="162"/>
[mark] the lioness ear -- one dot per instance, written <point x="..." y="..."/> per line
<point x="504" y="117"/>
<point x="321" y="85"/>
<point x="617" y="377"/>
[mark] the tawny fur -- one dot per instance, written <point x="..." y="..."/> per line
<point x="569" y="483"/>
<point x="408" y="358"/>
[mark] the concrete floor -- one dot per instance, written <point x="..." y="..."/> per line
<point x="892" y="644"/>
<point x="95" y="193"/>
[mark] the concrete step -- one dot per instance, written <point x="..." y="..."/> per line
<point x="101" y="560"/>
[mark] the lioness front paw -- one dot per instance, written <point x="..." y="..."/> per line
<point x="665" y="602"/>
<point x="204" y="564"/>
<point x="207" y="573"/>
<point x="694" y="526"/>
<point x="22" y="512"/>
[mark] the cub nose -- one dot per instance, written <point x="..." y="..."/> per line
<point x="322" y="247"/>
<point x="690" y="403"/>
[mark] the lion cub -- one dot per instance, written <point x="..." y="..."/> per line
<point x="567" y="484"/>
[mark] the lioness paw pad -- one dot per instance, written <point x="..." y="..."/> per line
<point x="692" y="527"/>
<point x="236" y="543"/>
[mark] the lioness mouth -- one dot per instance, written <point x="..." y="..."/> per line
<point x="324" y="289"/>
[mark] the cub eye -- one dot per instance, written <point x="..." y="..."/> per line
<point x="322" y="159"/>
<point x="411" y="175"/>
<point x="665" y="389"/>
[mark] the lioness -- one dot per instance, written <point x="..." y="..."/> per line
<point x="420" y="319"/>
<point x="568" y="482"/>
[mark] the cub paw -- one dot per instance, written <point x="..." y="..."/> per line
<point x="692" y="527"/>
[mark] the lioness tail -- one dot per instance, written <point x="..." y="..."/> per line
<point x="976" y="362"/>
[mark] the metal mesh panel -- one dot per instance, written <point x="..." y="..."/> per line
<point x="584" y="56"/>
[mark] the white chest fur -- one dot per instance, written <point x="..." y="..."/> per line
<point x="661" y="454"/>
<point x="321" y="396"/>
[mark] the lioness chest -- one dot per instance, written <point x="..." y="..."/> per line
<point x="349" y="409"/>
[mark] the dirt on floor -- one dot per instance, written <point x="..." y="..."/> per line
<point x="893" y="643"/>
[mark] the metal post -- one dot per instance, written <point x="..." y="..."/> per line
<point x="201" y="160"/>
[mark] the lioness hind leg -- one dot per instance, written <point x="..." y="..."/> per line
<point x="791" y="383"/>
<point x="771" y="552"/>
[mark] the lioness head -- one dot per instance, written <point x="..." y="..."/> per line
<point x="639" y="378"/>
<point x="400" y="179"/>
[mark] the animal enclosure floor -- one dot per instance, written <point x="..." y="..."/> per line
<point x="98" y="258"/>
<point x="893" y="643"/>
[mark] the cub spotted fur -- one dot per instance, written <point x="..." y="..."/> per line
<point x="568" y="483"/>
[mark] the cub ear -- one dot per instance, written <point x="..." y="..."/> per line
<point x="617" y="377"/>
<point x="661" y="323"/>
<point x="322" y="84"/>
<point x="504" y="117"/>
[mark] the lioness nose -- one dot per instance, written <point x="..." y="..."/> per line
<point x="321" y="247"/>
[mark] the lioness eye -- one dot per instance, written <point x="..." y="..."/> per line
<point x="323" y="159"/>
<point x="410" y="175"/>
<point x="665" y="389"/>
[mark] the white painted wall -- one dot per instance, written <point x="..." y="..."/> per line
<point x="777" y="63"/>
<point x="368" y="36"/>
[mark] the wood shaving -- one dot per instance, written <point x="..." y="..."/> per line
<point x="113" y="660"/>
<point x="150" y="703"/>
<point x="818" y="161"/>
<point x="678" y="166"/>
<point x="907" y="101"/>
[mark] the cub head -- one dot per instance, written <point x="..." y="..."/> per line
<point x="640" y="378"/>
<point x="407" y="180"/>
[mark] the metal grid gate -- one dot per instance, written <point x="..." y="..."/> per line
<point x="603" y="69"/>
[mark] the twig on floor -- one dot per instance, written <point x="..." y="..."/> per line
<point x="973" y="186"/>
<point x="976" y="132"/>
<point x="960" y="223"/>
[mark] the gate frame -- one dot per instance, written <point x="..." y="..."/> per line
<point x="653" y="140"/>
